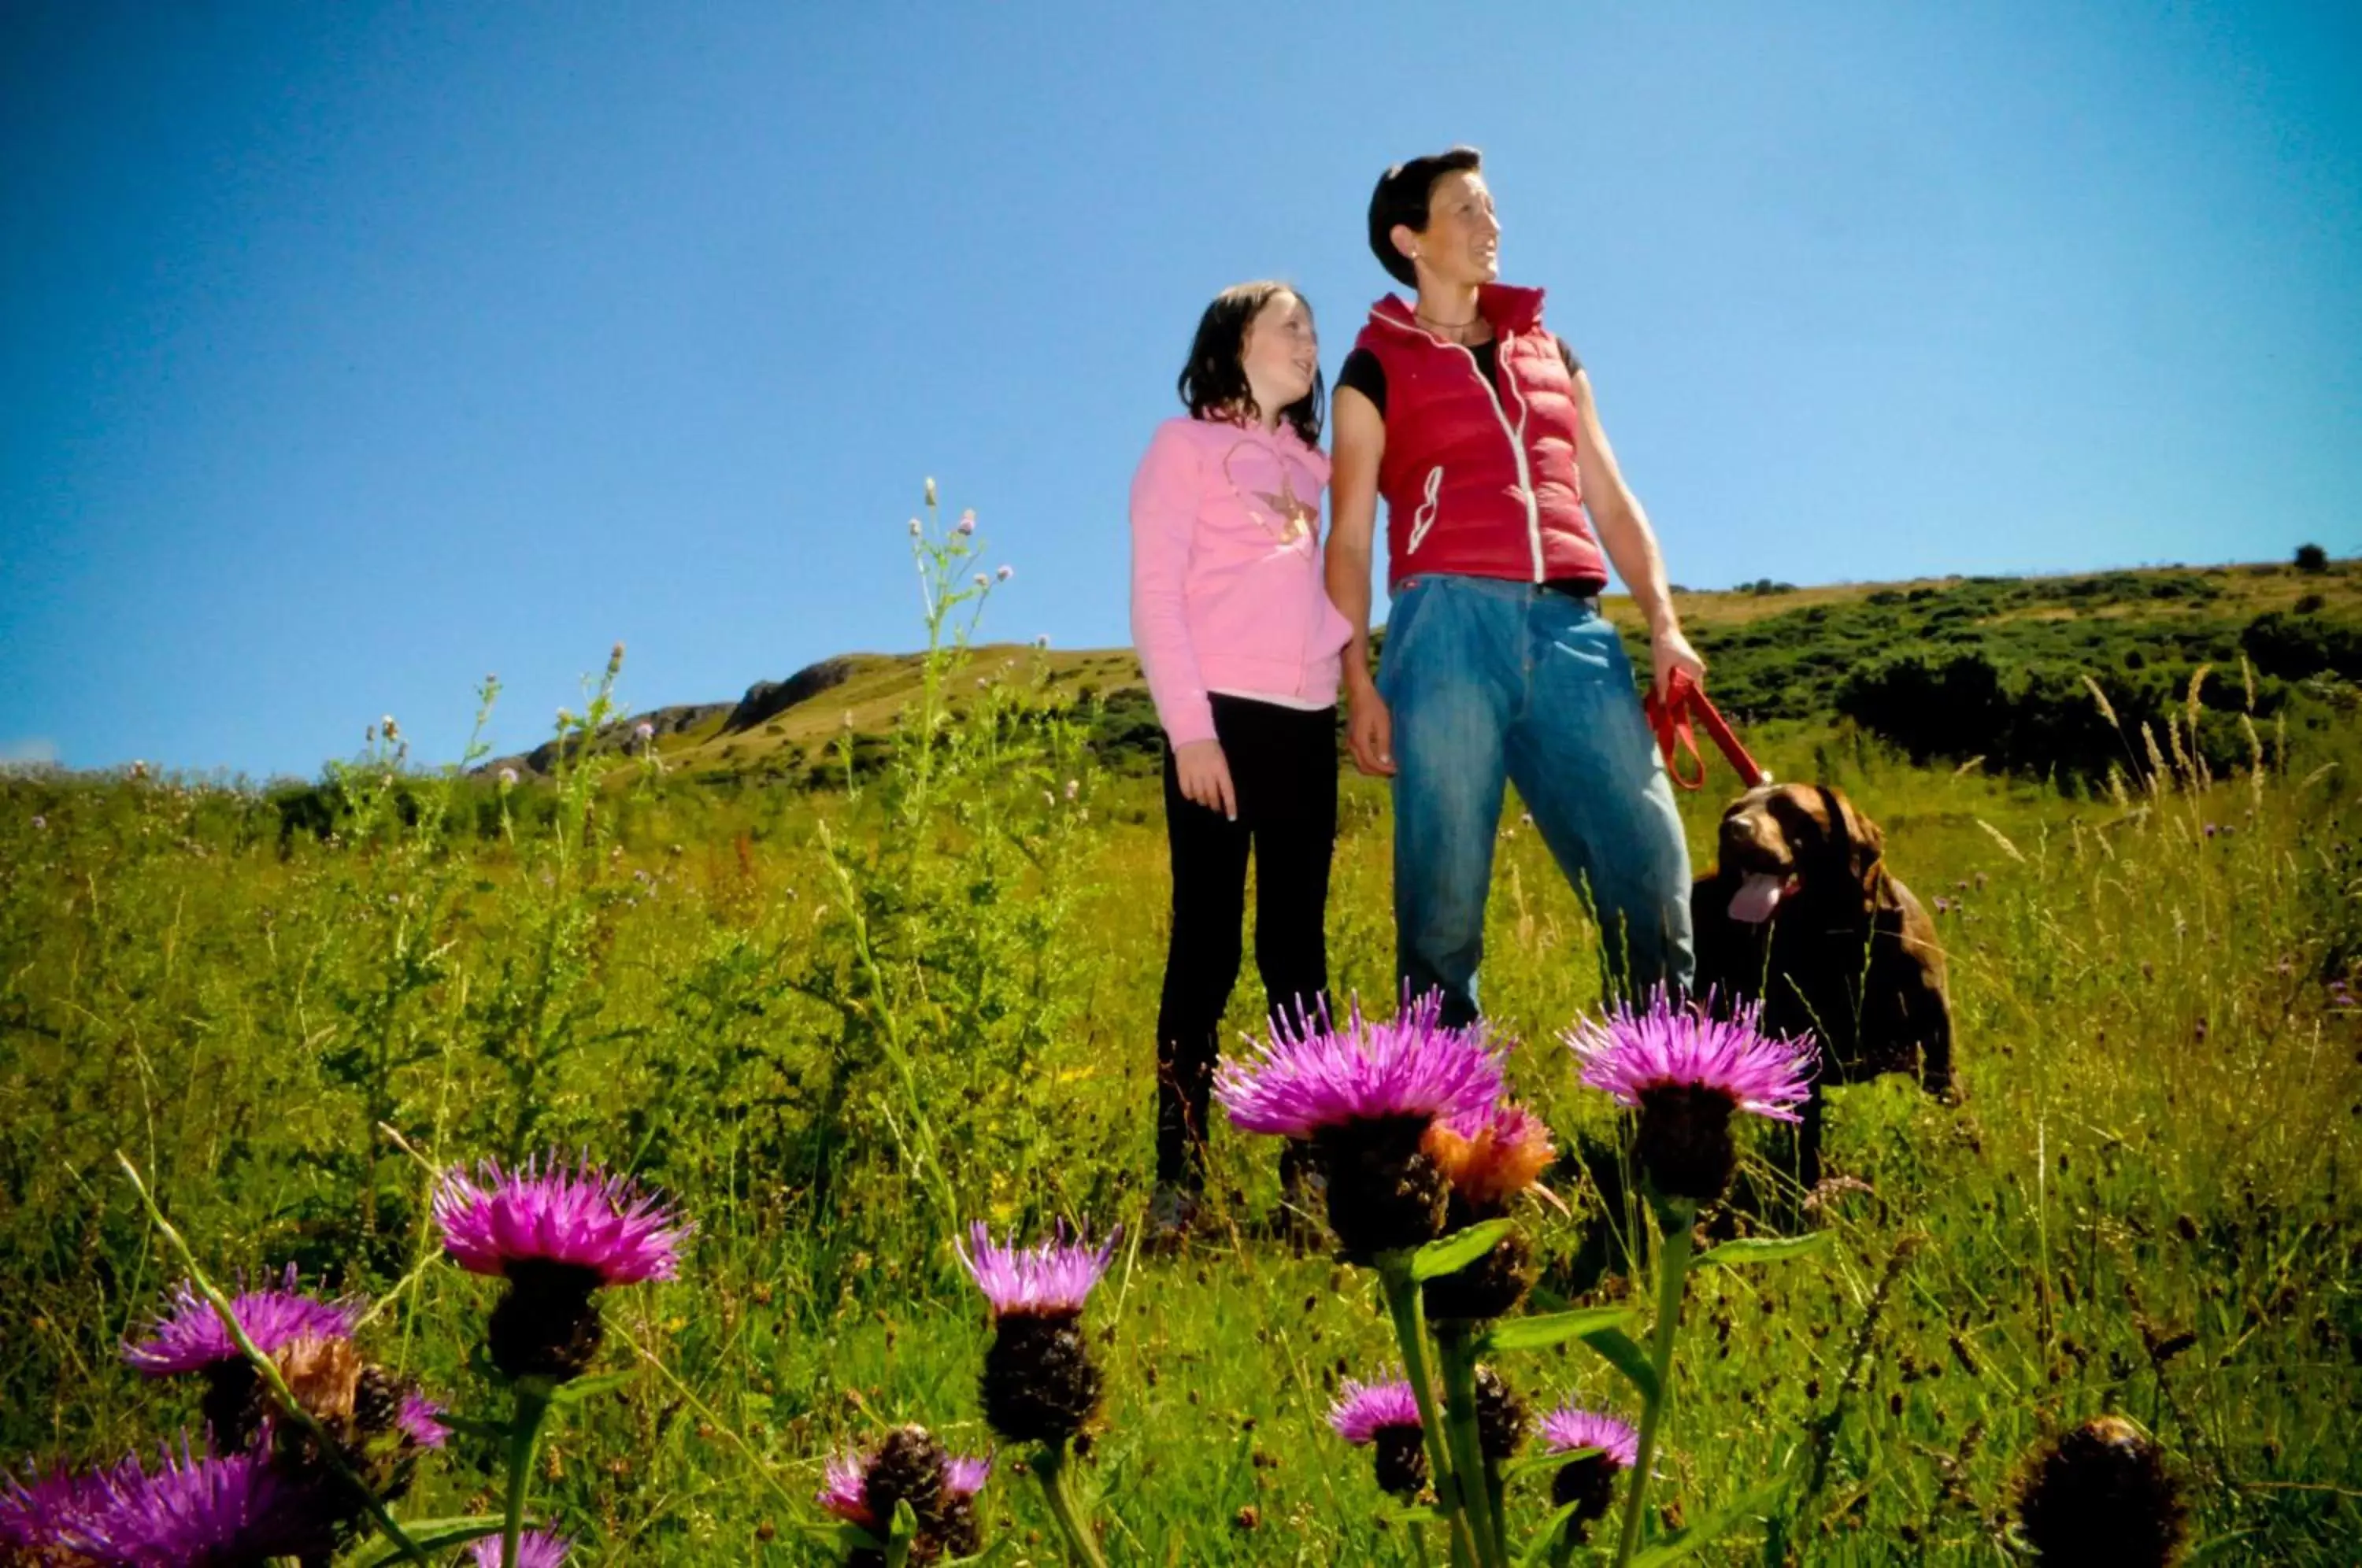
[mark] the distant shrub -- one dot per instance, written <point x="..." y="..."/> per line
<point x="2312" y="557"/>
<point x="2295" y="647"/>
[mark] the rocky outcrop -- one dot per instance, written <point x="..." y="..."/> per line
<point x="766" y="700"/>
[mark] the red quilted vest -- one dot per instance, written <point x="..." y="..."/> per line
<point x="1481" y="481"/>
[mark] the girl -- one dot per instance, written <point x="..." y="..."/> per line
<point x="1239" y="645"/>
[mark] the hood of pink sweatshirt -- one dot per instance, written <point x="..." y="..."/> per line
<point x="1227" y="593"/>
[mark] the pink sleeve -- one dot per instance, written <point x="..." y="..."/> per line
<point x="1165" y="495"/>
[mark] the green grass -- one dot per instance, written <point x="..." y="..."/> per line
<point x="2159" y="1137"/>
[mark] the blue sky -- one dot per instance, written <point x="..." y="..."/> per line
<point x="350" y="352"/>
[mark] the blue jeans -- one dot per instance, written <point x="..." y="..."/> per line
<point x="1490" y="680"/>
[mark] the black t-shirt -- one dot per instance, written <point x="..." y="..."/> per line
<point x="1365" y="375"/>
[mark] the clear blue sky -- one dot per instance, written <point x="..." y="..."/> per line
<point x="348" y="352"/>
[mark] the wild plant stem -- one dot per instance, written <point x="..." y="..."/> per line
<point x="1674" y="1218"/>
<point x="1049" y="1464"/>
<point x="524" y="1432"/>
<point x="1409" y="1313"/>
<point x="1458" y="1358"/>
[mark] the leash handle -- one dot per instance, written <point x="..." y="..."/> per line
<point x="1671" y="719"/>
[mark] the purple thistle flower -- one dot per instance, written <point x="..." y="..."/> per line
<point x="583" y="1218"/>
<point x="1051" y="1279"/>
<point x="556" y="1236"/>
<point x="1005" y="573"/>
<point x="644" y="731"/>
<point x="844" y="1491"/>
<point x="36" y="1511"/>
<point x="421" y="1422"/>
<point x="964" y="1475"/>
<point x="192" y="1337"/>
<point x="1569" y="1430"/>
<point x="966" y="524"/>
<point x="1667" y="1046"/>
<point x="1311" y="1077"/>
<point x="535" y="1549"/>
<point x="203" y="1513"/>
<point x="1362" y="1410"/>
<point x="1688" y="1072"/>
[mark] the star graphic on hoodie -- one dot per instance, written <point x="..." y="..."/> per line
<point x="1300" y="518"/>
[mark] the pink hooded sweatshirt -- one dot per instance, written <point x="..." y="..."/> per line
<point x="1226" y="578"/>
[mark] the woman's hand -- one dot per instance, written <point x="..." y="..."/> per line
<point x="1370" y="730"/>
<point x="1205" y="776"/>
<point x="1668" y="651"/>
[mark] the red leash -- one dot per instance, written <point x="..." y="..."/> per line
<point x="1671" y="719"/>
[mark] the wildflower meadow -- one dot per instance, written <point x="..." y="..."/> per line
<point x="592" y="1162"/>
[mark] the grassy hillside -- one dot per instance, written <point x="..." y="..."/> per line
<point x="1948" y="669"/>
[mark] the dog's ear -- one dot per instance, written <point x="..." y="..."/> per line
<point x="1863" y="843"/>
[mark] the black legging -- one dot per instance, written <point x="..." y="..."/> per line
<point x="1283" y="764"/>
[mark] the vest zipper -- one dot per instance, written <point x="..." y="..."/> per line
<point x="1517" y="439"/>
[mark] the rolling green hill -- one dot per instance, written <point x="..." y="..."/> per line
<point x="1946" y="669"/>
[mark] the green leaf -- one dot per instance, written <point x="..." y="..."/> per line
<point x="583" y="1388"/>
<point x="1551" y="1461"/>
<point x="441" y="1535"/>
<point x="1556" y="1328"/>
<point x="1408" y="1514"/>
<point x="2218" y="1546"/>
<point x="1761" y="1249"/>
<point x="1539" y="1544"/>
<point x="1682" y="1542"/>
<point x="1450" y="1255"/>
<point x="1625" y="1354"/>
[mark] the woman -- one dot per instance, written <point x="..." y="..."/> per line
<point x="1239" y="645"/>
<point x="1479" y="427"/>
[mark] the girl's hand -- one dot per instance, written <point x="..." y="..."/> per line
<point x="1205" y="776"/>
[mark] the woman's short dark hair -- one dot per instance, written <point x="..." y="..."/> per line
<point x="1214" y="382"/>
<point x="1401" y="198"/>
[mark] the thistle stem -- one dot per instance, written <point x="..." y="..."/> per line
<point x="1049" y="1464"/>
<point x="1458" y="1358"/>
<point x="524" y="1432"/>
<point x="1409" y="1313"/>
<point x="1674" y="1218"/>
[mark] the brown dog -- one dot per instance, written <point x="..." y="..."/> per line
<point x="1803" y="914"/>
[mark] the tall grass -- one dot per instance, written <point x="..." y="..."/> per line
<point x="833" y="1025"/>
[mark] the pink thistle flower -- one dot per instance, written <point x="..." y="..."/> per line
<point x="535" y="1549"/>
<point x="1312" y="1077"/>
<point x="1570" y="1431"/>
<point x="1386" y="1417"/>
<point x="1005" y="573"/>
<point x="203" y="1513"/>
<point x="421" y="1420"/>
<point x="37" y="1510"/>
<point x="1362" y="1410"/>
<point x="583" y="1218"/>
<point x="966" y="524"/>
<point x="844" y="1491"/>
<point x="1051" y="1279"/>
<point x="1600" y="1448"/>
<point x="1688" y="1072"/>
<point x="964" y="1475"/>
<point x="556" y="1236"/>
<point x="1631" y="1053"/>
<point x="191" y="1337"/>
